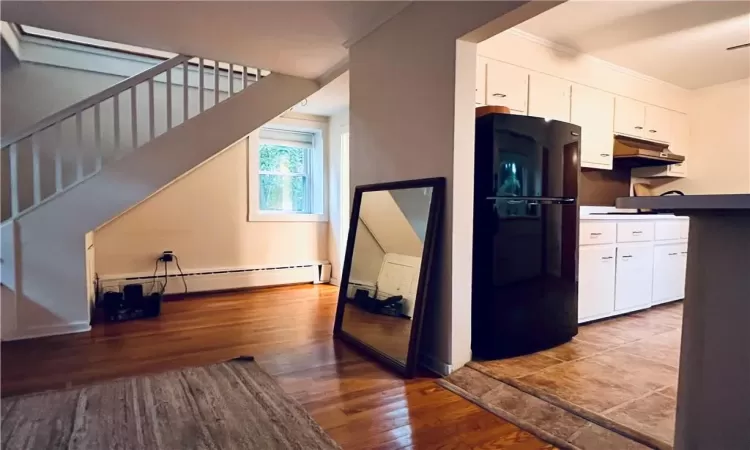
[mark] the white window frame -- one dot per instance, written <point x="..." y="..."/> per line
<point x="316" y="167"/>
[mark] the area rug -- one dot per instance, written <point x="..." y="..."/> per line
<point x="549" y="421"/>
<point x="232" y="405"/>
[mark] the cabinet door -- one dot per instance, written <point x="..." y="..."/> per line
<point x="549" y="97"/>
<point x="630" y="116"/>
<point x="596" y="281"/>
<point x="594" y="111"/>
<point x="634" y="275"/>
<point x="480" y="90"/>
<point x="669" y="280"/>
<point x="657" y="124"/>
<point x="680" y="143"/>
<point x="507" y="85"/>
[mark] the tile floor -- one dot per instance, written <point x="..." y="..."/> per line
<point x="624" y="369"/>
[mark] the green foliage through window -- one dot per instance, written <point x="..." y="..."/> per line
<point x="284" y="178"/>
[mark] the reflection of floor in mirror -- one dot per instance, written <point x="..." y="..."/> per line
<point x="387" y="334"/>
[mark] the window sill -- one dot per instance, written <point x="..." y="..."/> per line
<point x="286" y="217"/>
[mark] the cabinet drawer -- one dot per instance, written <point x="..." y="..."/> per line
<point x="635" y="231"/>
<point x="684" y="229"/>
<point x="667" y="230"/>
<point x="592" y="233"/>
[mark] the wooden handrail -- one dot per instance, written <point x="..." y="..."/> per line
<point x="99" y="97"/>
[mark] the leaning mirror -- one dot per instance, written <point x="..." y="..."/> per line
<point x="386" y="270"/>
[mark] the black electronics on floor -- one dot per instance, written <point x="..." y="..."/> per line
<point x="524" y="292"/>
<point x="130" y="304"/>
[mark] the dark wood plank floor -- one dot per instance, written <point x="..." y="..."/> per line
<point x="288" y="330"/>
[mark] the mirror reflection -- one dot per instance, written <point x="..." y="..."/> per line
<point x="384" y="277"/>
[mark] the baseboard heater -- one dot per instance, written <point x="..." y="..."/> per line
<point x="219" y="280"/>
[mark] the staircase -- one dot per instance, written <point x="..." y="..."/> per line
<point x="83" y="166"/>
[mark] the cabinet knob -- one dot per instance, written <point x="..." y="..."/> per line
<point x="595" y="234"/>
<point x="604" y="258"/>
<point x="638" y="128"/>
<point x="652" y="131"/>
<point x="604" y="154"/>
<point x="627" y="256"/>
<point x="499" y="95"/>
<point x="637" y="232"/>
<point x="673" y="254"/>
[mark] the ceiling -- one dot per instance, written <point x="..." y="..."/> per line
<point x="303" y="38"/>
<point x="680" y="42"/>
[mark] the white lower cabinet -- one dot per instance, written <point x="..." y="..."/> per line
<point x="629" y="265"/>
<point x="633" y="276"/>
<point x="669" y="272"/>
<point x="596" y="282"/>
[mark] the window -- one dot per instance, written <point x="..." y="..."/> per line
<point x="287" y="160"/>
<point x="285" y="175"/>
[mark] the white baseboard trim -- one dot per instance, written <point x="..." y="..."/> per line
<point x="435" y="365"/>
<point x="335" y="281"/>
<point x="48" y="330"/>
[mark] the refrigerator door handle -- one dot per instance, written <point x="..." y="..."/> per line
<point x="535" y="200"/>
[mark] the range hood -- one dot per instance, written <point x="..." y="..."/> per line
<point x="632" y="152"/>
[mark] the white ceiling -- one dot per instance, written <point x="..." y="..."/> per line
<point x="680" y="42"/>
<point x="303" y="38"/>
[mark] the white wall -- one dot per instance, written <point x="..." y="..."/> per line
<point x="388" y="224"/>
<point x="338" y="125"/>
<point x="368" y="257"/>
<point x="719" y="141"/>
<point x="203" y="218"/>
<point x="50" y="295"/>
<point x="412" y="116"/>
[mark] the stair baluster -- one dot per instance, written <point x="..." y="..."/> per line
<point x="48" y="143"/>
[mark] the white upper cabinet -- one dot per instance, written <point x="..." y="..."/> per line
<point x="630" y="117"/>
<point x="658" y="125"/>
<point x="633" y="118"/>
<point x="679" y="135"/>
<point x="549" y="97"/>
<point x="480" y="93"/>
<point x="507" y="85"/>
<point x="680" y="142"/>
<point x="594" y="111"/>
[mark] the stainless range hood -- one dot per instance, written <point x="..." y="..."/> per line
<point x="632" y="152"/>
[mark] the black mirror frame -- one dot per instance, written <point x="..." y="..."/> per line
<point x="408" y="368"/>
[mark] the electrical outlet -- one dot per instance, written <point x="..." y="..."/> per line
<point x="166" y="256"/>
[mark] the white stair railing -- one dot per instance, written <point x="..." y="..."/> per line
<point x="73" y="144"/>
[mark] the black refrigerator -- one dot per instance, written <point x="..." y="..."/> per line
<point x="525" y="250"/>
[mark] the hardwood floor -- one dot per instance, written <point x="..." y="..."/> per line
<point x="288" y="330"/>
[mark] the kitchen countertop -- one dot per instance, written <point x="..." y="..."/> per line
<point x="683" y="203"/>
<point x="598" y="213"/>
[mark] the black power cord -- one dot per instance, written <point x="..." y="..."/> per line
<point x="177" y="261"/>
<point x="165" y="258"/>
<point x="153" y="277"/>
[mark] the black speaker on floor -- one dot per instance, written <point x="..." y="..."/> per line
<point x="130" y="304"/>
